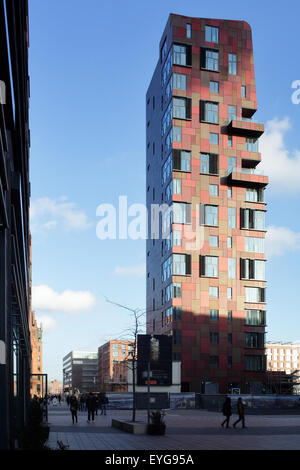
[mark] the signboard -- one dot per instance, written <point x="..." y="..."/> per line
<point x="156" y="349"/>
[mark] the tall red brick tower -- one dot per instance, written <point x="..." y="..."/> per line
<point x="202" y="154"/>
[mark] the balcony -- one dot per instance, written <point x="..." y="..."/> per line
<point x="245" y="127"/>
<point x="247" y="177"/>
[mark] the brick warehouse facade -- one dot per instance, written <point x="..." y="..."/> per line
<point x="202" y="153"/>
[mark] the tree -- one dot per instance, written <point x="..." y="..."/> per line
<point x="136" y="329"/>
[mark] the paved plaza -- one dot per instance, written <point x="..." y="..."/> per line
<point x="186" y="430"/>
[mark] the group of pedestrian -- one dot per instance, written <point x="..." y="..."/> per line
<point x="227" y="412"/>
<point x="90" y="403"/>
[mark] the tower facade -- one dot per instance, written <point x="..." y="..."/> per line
<point x="206" y="279"/>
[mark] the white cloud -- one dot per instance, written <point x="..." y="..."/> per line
<point x="46" y="299"/>
<point x="135" y="271"/>
<point x="278" y="162"/>
<point x="47" y="213"/>
<point x="47" y="323"/>
<point x="280" y="240"/>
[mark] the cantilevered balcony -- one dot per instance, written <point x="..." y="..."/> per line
<point x="245" y="127"/>
<point x="247" y="177"/>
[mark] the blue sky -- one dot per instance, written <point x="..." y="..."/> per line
<point x="90" y="65"/>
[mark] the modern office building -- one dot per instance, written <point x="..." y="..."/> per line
<point x="206" y="281"/>
<point x="15" y="349"/>
<point x="80" y="372"/>
<point x="36" y="335"/>
<point x="113" y="366"/>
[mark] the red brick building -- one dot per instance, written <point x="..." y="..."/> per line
<point x="112" y="366"/>
<point x="202" y="154"/>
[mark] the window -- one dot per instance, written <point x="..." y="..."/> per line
<point x="254" y="340"/>
<point x="253" y="269"/>
<point x="182" y="212"/>
<point x="229" y="242"/>
<point x="182" y="160"/>
<point x="255" y="363"/>
<point x="209" y="266"/>
<point x="214" y="338"/>
<point x="176" y="186"/>
<point x="231" y="164"/>
<point x="251" y="145"/>
<point x="115" y="350"/>
<point x="213" y="292"/>
<point x="254" y="195"/>
<point x="177" y="313"/>
<point x="209" y="215"/>
<point x="176" y="134"/>
<point x="179" y="55"/>
<point x="243" y="91"/>
<point x="214" y="190"/>
<point x="229" y="315"/>
<point x="231" y="268"/>
<point x="188" y="31"/>
<point x="229" y="141"/>
<point x="177" y="240"/>
<point x="231" y="217"/>
<point x="210" y="112"/>
<point x="214" y="139"/>
<point x="232" y="64"/>
<point x="229" y="191"/>
<point x="214" y="362"/>
<point x="229" y="362"/>
<point x="181" y="265"/>
<point x="177" y="337"/>
<point x="229" y="293"/>
<point x="167" y="269"/>
<point x="213" y="241"/>
<point x="231" y="113"/>
<point x="211" y="34"/>
<point x="252" y="219"/>
<point x="254" y="294"/>
<point x="255" y="317"/>
<point x="167" y="170"/>
<point x="214" y="315"/>
<point x="229" y="338"/>
<point x="214" y="87"/>
<point x="177" y="290"/>
<point x="179" y="81"/>
<point x="209" y="164"/>
<point x="179" y="108"/>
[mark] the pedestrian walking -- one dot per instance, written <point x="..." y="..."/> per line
<point x="74" y="408"/>
<point x="97" y="404"/>
<point x="226" y="410"/>
<point x="68" y="400"/>
<point x="241" y="413"/>
<point x="59" y="398"/>
<point x="104" y="404"/>
<point x="91" y="406"/>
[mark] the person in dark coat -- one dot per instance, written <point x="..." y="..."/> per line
<point x="91" y="406"/>
<point x="226" y="410"/>
<point x="74" y="408"/>
<point x="68" y="400"/>
<point x="241" y="413"/>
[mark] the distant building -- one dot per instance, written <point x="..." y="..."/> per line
<point x="36" y="382"/>
<point x="112" y="365"/>
<point x="283" y="365"/>
<point x="55" y="387"/>
<point x="80" y="371"/>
